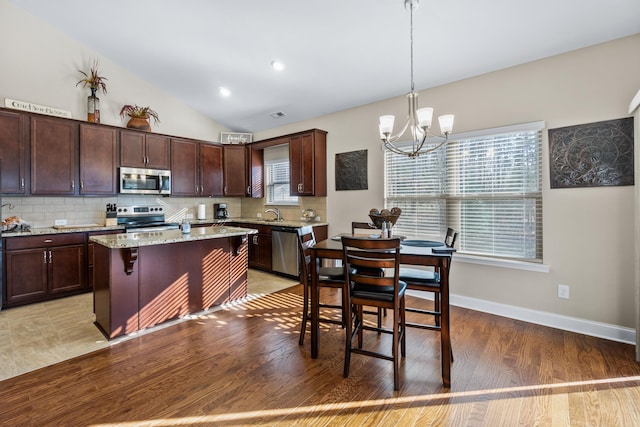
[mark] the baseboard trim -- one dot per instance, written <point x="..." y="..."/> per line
<point x="558" y="321"/>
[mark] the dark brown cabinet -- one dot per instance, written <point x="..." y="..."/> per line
<point x="97" y="160"/>
<point x="255" y="172"/>
<point x="196" y="168"/>
<point x="43" y="267"/>
<point x="184" y="168"/>
<point x="210" y="165"/>
<point x="308" y="163"/>
<point x="14" y="128"/>
<point x="53" y="156"/>
<point x="142" y="150"/>
<point x="234" y="170"/>
<point x="260" y="250"/>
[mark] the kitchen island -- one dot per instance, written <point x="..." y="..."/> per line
<point x="144" y="279"/>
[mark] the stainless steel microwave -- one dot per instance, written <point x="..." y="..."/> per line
<point x="144" y="181"/>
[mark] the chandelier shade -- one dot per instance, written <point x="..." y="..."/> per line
<point x="419" y="120"/>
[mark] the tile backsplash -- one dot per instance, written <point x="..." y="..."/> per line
<point x="41" y="212"/>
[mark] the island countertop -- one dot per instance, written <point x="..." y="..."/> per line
<point x="134" y="240"/>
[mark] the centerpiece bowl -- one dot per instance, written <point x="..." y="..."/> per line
<point x="378" y="217"/>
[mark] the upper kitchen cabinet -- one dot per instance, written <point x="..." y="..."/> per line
<point x="234" y="170"/>
<point x="97" y="160"/>
<point x="144" y="150"/>
<point x="14" y="128"/>
<point x="184" y="168"/>
<point x="53" y="156"/>
<point x="308" y="163"/>
<point x="196" y="168"/>
<point x="211" y="176"/>
<point x="255" y="172"/>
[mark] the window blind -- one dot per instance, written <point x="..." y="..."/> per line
<point x="486" y="184"/>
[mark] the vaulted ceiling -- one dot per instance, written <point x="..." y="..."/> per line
<point x="338" y="53"/>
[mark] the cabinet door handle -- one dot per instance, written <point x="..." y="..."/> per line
<point x="22" y="183"/>
<point x="50" y="257"/>
<point x="248" y="189"/>
<point x="225" y="189"/>
<point x="201" y="189"/>
<point x="300" y="187"/>
<point x="73" y="185"/>
<point x="255" y="240"/>
<point x="82" y="184"/>
<point x="146" y="160"/>
<point x="44" y="257"/>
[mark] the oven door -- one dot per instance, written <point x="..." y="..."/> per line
<point x="144" y="181"/>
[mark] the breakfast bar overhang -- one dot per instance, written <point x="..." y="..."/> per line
<point x="144" y="279"/>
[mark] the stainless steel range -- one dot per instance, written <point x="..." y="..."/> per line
<point x="138" y="219"/>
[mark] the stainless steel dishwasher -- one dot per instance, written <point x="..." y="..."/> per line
<point x="284" y="250"/>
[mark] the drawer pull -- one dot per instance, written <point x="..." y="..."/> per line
<point x="48" y="241"/>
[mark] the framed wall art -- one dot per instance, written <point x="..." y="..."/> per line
<point x="351" y="171"/>
<point x="592" y="155"/>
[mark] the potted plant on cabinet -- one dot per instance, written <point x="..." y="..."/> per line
<point x="95" y="82"/>
<point x="139" y="116"/>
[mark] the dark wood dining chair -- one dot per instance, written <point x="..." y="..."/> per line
<point x="366" y="226"/>
<point x="361" y="289"/>
<point x="369" y="229"/>
<point x="328" y="277"/>
<point x="427" y="281"/>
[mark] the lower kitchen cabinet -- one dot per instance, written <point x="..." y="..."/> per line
<point x="43" y="267"/>
<point x="259" y="246"/>
<point x="90" y="247"/>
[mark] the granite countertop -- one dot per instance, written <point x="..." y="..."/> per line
<point x="283" y="223"/>
<point x="134" y="240"/>
<point x="95" y="227"/>
<point x="66" y="229"/>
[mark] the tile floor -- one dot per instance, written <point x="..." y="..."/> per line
<point x="42" y="334"/>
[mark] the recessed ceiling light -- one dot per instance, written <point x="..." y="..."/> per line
<point x="225" y="92"/>
<point x="277" y="65"/>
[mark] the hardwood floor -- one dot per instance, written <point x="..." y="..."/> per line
<point x="243" y="366"/>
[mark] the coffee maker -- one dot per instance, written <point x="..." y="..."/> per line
<point x="220" y="211"/>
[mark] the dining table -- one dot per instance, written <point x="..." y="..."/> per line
<point x="412" y="252"/>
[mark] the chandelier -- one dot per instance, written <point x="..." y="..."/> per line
<point x="418" y="120"/>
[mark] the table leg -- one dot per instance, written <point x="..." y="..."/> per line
<point x="315" y="309"/>
<point x="445" y="338"/>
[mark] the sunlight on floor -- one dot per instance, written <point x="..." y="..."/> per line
<point x="42" y="334"/>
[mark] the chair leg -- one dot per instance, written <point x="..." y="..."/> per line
<point x="348" y="340"/>
<point x="305" y="313"/>
<point x="437" y="307"/>
<point x="394" y="351"/>
<point x="359" y="324"/>
<point x="403" y="327"/>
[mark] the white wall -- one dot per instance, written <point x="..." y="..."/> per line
<point x="40" y="65"/>
<point x="588" y="238"/>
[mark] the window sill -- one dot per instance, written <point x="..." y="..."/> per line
<point x="504" y="263"/>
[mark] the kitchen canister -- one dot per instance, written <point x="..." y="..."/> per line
<point x="202" y="211"/>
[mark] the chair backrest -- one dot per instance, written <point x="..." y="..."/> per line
<point x="450" y="237"/>
<point x="362" y="255"/>
<point x="361" y="226"/>
<point x="306" y="239"/>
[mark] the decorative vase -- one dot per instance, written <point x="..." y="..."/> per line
<point x="140" y="123"/>
<point x="93" y="107"/>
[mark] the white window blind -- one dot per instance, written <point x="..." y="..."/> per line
<point x="277" y="176"/>
<point x="485" y="184"/>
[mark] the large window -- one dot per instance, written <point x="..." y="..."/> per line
<point x="485" y="184"/>
<point x="276" y="162"/>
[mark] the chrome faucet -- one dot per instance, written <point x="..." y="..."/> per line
<point x="275" y="211"/>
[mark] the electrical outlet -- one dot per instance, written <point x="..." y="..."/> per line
<point x="563" y="291"/>
<point x="259" y="215"/>
<point x="60" y="222"/>
<point x="189" y="216"/>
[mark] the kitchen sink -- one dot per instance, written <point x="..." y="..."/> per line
<point x="269" y="220"/>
